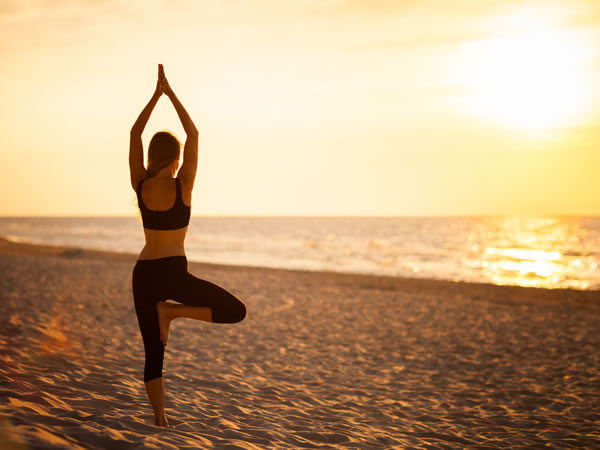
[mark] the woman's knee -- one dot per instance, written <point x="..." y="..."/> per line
<point x="153" y="367"/>
<point x="234" y="312"/>
<point x="239" y="313"/>
<point x="152" y="371"/>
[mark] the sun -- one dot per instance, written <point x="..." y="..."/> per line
<point x="535" y="77"/>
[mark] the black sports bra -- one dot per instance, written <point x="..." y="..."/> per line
<point x="178" y="216"/>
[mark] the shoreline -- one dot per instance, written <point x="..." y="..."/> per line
<point x="385" y="282"/>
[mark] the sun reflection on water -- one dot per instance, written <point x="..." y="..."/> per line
<point x="533" y="251"/>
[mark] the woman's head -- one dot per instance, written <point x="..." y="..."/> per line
<point x="164" y="149"/>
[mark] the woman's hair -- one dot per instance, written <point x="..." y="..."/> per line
<point x="164" y="148"/>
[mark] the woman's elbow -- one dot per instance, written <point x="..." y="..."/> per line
<point x="192" y="132"/>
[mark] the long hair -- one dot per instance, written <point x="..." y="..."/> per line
<point x="164" y="148"/>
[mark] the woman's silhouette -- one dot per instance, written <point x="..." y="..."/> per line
<point x="161" y="270"/>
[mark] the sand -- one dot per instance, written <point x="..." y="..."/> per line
<point x="323" y="360"/>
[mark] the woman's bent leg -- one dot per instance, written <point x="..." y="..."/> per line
<point x="198" y="293"/>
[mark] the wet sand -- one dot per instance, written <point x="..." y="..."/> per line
<point x="322" y="360"/>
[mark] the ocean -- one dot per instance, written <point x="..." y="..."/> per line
<point x="551" y="252"/>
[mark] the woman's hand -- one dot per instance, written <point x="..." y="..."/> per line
<point x="163" y="83"/>
<point x="158" y="91"/>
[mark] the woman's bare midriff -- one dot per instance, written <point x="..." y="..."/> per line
<point x="163" y="243"/>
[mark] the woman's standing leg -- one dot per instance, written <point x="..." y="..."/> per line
<point x="156" y="394"/>
<point x="145" y="300"/>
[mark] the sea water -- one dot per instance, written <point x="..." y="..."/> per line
<point x="554" y="252"/>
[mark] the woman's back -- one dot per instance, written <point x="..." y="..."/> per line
<point x="165" y="207"/>
<point x="158" y="193"/>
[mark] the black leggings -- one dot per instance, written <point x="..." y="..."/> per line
<point x="168" y="278"/>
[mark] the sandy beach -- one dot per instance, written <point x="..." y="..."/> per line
<point x="322" y="360"/>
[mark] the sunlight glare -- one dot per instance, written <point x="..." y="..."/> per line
<point x="537" y="78"/>
<point x="535" y="252"/>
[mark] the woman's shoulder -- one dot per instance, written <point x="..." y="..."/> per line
<point x="139" y="182"/>
<point x="183" y="182"/>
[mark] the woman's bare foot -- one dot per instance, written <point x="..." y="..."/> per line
<point x="164" y="321"/>
<point x="170" y="311"/>
<point x="161" y="421"/>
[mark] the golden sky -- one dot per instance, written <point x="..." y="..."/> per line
<point x="308" y="107"/>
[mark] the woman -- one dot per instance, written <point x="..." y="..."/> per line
<point x="161" y="271"/>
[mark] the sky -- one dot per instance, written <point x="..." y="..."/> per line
<point x="317" y="107"/>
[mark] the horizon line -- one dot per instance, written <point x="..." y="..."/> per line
<point x="3" y="216"/>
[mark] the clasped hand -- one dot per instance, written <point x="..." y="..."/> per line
<point x="162" y="85"/>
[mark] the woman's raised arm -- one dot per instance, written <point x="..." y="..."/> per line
<point x="187" y="172"/>
<point x="136" y="149"/>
